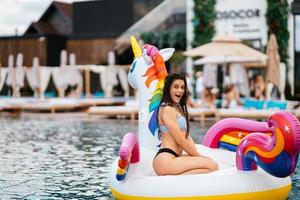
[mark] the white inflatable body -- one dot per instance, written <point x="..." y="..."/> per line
<point x="227" y="183"/>
<point x="141" y="182"/>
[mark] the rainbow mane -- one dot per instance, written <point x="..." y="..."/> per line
<point x="156" y="72"/>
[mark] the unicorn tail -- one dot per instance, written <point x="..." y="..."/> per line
<point x="277" y="154"/>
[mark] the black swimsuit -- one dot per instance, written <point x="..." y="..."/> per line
<point x="166" y="150"/>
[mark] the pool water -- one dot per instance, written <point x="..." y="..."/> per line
<point x="55" y="158"/>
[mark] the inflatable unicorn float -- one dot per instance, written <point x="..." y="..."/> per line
<point x="255" y="159"/>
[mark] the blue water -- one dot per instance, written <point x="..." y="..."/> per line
<point x="56" y="158"/>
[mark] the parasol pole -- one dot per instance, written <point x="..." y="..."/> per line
<point x="189" y="39"/>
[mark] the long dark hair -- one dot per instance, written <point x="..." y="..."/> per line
<point x="166" y="96"/>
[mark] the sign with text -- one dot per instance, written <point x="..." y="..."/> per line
<point x="243" y="19"/>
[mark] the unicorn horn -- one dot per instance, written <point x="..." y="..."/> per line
<point x="137" y="51"/>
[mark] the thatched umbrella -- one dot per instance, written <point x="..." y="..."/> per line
<point x="273" y="74"/>
<point x="226" y="59"/>
<point x="227" y="46"/>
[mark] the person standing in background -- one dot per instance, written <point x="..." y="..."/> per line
<point x="199" y="85"/>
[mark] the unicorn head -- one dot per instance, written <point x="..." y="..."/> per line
<point x="146" y="75"/>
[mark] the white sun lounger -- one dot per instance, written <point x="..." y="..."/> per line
<point x="102" y="101"/>
<point x="245" y="113"/>
<point x="40" y="105"/>
<point x="202" y="113"/>
<point x="114" y="111"/>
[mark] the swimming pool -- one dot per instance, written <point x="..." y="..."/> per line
<point x="59" y="158"/>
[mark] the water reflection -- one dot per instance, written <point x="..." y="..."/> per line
<point x="66" y="158"/>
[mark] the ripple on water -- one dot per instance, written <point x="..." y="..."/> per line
<point x="66" y="158"/>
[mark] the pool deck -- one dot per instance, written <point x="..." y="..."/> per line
<point x="53" y="105"/>
<point x="119" y="107"/>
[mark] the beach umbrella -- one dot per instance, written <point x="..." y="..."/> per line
<point x="112" y="75"/>
<point x="273" y="74"/>
<point x="63" y="58"/>
<point x="72" y="59"/>
<point x="3" y="72"/>
<point x="72" y="73"/>
<point x="238" y="76"/>
<point x="210" y="75"/>
<point x="10" y="71"/>
<point x="32" y="75"/>
<point x="226" y="46"/>
<point x="111" y="80"/>
<point x="20" y="73"/>
<point x="227" y="59"/>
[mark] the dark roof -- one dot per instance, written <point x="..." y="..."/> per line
<point x="46" y="26"/>
<point x="86" y="19"/>
<point x="105" y="18"/>
<point x="41" y="27"/>
<point x="65" y="8"/>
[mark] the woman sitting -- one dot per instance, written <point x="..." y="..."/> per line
<point x="232" y="97"/>
<point x="174" y="134"/>
<point x="258" y="87"/>
<point x="209" y="97"/>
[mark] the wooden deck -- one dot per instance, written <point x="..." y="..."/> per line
<point x="245" y="113"/>
<point x="202" y="113"/>
<point x="55" y="104"/>
<point x="115" y="111"/>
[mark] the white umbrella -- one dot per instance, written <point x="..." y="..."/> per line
<point x="20" y="73"/>
<point x="210" y="75"/>
<point x="73" y="74"/>
<point x="111" y="75"/>
<point x="226" y="46"/>
<point x="63" y="58"/>
<point x="32" y="75"/>
<point x="227" y="59"/>
<point x="3" y="72"/>
<point x="237" y="72"/>
<point x="72" y="59"/>
<point x="10" y="71"/>
<point x="238" y="76"/>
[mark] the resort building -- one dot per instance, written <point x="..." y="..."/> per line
<point x="91" y="29"/>
<point x="247" y="21"/>
<point x="87" y="28"/>
<point x="295" y="43"/>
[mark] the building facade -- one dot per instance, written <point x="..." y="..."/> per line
<point x="295" y="52"/>
<point x="87" y="28"/>
<point x="248" y="22"/>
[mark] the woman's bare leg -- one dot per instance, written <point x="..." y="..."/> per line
<point x="196" y="171"/>
<point x="184" y="164"/>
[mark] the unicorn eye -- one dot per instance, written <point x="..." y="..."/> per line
<point x="132" y="66"/>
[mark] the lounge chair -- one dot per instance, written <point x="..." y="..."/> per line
<point x="253" y="109"/>
<point x="129" y="109"/>
<point x="202" y="113"/>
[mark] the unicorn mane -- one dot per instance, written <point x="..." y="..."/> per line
<point x="156" y="72"/>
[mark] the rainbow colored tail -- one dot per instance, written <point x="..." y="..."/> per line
<point x="129" y="152"/>
<point x="276" y="154"/>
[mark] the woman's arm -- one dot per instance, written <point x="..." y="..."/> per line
<point x="170" y="120"/>
<point x="191" y="141"/>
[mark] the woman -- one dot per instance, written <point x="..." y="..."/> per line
<point x="232" y="97"/>
<point x="209" y="98"/>
<point x="174" y="134"/>
<point x="258" y="87"/>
